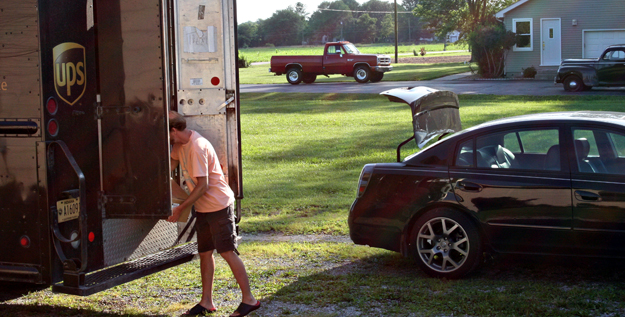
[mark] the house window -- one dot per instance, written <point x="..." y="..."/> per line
<point x="523" y="30"/>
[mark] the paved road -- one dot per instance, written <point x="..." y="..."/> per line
<point x="494" y="87"/>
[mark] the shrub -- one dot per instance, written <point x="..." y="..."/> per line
<point x="422" y="51"/>
<point x="269" y="45"/>
<point x="490" y="45"/>
<point x="415" y="52"/>
<point x="243" y="62"/>
<point x="529" y="72"/>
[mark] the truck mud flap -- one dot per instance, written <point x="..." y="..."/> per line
<point x="128" y="271"/>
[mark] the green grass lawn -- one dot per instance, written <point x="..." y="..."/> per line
<point x="337" y="279"/>
<point x="263" y="54"/>
<point x="259" y="74"/>
<point x="302" y="153"/>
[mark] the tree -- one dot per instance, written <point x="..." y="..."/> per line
<point x="465" y="16"/>
<point x="284" y="27"/>
<point x="248" y="34"/>
<point x="387" y="28"/>
<point x="367" y="28"/>
<point x="328" y="23"/>
<point x="490" y="44"/>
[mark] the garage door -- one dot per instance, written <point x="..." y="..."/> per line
<point x="595" y="42"/>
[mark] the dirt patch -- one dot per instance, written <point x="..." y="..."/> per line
<point x="435" y="59"/>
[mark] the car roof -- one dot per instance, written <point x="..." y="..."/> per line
<point x="569" y="116"/>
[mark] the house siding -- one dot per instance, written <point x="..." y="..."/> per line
<point x="590" y="15"/>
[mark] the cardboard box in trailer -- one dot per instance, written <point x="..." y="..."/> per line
<point x="85" y="87"/>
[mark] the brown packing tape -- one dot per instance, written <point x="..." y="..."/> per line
<point x="178" y="196"/>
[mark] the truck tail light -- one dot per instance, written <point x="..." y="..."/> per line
<point x="52" y="106"/>
<point x="53" y="127"/>
<point x="215" y="81"/>
<point x="365" y="177"/>
<point x="25" y="241"/>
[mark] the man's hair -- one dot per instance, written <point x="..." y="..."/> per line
<point x="177" y="121"/>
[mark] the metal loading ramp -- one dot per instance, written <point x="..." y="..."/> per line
<point x="128" y="271"/>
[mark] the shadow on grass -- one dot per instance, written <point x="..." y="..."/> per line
<point x="55" y="311"/>
<point x="390" y="285"/>
<point x="9" y="290"/>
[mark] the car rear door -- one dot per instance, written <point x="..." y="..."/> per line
<point x="598" y="180"/>
<point x="517" y="183"/>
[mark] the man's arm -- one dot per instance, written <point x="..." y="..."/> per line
<point x="198" y="191"/>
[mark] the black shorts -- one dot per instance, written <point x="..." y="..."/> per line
<point x="216" y="230"/>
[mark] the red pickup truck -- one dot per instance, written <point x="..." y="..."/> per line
<point x="338" y="58"/>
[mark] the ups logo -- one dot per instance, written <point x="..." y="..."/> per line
<point x="69" y="71"/>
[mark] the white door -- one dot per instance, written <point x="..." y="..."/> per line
<point x="551" y="48"/>
<point x="595" y="41"/>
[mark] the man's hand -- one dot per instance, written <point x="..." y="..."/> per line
<point x="175" y="214"/>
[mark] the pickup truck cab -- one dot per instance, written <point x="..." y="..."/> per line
<point x="583" y="74"/>
<point x="338" y="58"/>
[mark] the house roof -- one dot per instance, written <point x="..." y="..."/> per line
<point x="503" y="12"/>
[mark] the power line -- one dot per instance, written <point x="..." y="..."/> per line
<point x="357" y="11"/>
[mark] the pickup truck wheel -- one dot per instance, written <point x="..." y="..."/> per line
<point x="376" y="77"/>
<point x="294" y="76"/>
<point x="362" y="74"/>
<point x="309" y="78"/>
<point x="573" y="83"/>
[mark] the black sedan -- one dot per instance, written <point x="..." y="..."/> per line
<point x="548" y="183"/>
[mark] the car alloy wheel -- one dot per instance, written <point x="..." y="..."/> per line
<point x="446" y="243"/>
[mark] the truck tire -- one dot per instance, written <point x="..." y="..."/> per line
<point x="573" y="83"/>
<point x="309" y="78"/>
<point x="294" y="76"/>
<point x="376" y="77"/>
<point x="362" y="74"/>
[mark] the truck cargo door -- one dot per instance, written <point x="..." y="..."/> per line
<point x="132" y="110"/>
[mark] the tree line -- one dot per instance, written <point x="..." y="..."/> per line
<point x="334" y="20"/>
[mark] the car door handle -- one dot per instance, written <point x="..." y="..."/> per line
<point x="584" y="195"/>
<point x="468" y="186"/>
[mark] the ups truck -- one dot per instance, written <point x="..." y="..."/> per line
<point x="85" y="88"/>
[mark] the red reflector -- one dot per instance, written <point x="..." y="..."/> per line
<point x="53" y="127"/>
<point x="51" y="106"/>
<point x="25" y="241"/>
<point x="215" y="81"/>
<point x="91" y="236"/>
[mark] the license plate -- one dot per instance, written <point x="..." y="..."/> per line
<point x="68" y="209"/>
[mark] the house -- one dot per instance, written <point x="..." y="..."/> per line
<point x="552" y="30"/>
<point x="453" y="36"/>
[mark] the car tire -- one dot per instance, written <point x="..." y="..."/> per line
<point x="294" y="76"/>
<point x="573" y="83"/>
<point x="446" y="243"/>
<point x="309" y="78"/>
<point x="376" y="77"/>
<point x="362" y="74"/>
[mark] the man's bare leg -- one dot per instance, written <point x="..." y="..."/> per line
<point x="207" y="269"/>
<point x="238" y="269"/>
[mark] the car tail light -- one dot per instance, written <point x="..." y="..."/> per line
<point x="91" y="236"/>
<point x="365" y="176"/>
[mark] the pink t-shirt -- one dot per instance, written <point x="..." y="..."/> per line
<point x="198" y="159"/>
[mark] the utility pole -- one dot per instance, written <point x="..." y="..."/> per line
<point x="396" y="55"/>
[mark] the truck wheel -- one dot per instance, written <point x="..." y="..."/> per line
<point x="294" y="76"/>
<point x="309" y="78"/>
<point x="362" y="74"/>
<point x="573" y="83"/>
<point x="376" y="77"/>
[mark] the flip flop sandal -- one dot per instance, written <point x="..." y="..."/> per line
<point x="245" y="309"/>
<point x="199" y="310"/>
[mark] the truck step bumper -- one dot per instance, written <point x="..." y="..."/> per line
<point x="128" y="271"/>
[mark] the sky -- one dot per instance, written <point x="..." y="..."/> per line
<point x="252" y="10"/>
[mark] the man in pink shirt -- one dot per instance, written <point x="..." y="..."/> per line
<point x="213" y="200"/>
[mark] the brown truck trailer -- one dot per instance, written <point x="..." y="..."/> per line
<point x="85" y="88"/>
<point x="338" y="58"/>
